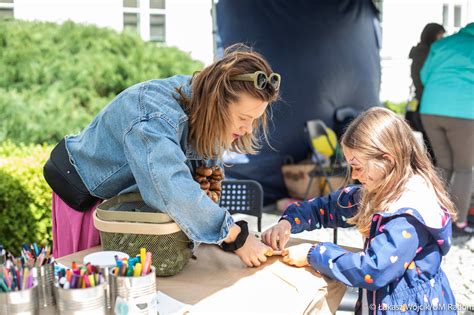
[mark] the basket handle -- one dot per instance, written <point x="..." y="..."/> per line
<point x="134" y="228"/>
<point x="104" y="213"/>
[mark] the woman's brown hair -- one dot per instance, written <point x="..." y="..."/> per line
<point x="213" y="91"/>
<point x="379" y="132"/>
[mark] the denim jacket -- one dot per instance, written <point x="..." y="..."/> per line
<point x="138" y="142"/>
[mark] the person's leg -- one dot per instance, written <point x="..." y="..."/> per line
<point x="460" y="133"/>
<point x="434" y="128"/>
<point x="72" y="230"/>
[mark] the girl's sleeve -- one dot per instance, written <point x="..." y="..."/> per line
<point x="328" y="211"/>
<point x="386" y="258"/>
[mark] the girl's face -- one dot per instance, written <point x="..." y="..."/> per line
<point x="243" y="113"/>
<point x="368" y="176"/>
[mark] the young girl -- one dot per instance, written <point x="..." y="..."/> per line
<point x="150" y="139"/>
<point x="402" y="210"/>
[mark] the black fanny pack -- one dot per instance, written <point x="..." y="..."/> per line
<point x="63" y="178"/>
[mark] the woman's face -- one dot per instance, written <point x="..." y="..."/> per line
<point x="369" y="177"/>
<point x="243" y="113"/>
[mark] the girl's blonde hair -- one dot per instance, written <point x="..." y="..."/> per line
<point x="213" y="91"/>
<point x="378" y="132"/>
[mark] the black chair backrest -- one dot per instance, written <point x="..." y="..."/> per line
<point x="243" y="196"/>
<point x="343" y="117"/>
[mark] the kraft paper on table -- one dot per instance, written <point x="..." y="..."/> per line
<point x="218" y="281"/>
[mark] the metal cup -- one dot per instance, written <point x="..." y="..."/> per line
<point x="81" y="301"/>
<point x="45" y="278"/>
<point x="24" y="302"/>
<point x="139" y="293"/>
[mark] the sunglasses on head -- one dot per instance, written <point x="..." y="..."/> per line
<point x="260" y="79"/>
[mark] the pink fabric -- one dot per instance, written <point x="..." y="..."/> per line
<point x="73" y="231"/>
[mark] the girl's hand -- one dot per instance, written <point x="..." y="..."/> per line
<point x="297" y="255"/>
<point x="253" y="252"/>
<point x="278" y="235"/>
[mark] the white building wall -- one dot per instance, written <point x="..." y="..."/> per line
<point x="103" y="13"/>
<point x="189" y="27"/>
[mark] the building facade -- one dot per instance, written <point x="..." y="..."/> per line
<point x="188" y="25"/>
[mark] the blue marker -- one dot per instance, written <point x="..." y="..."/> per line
<point x="36" y="250"/>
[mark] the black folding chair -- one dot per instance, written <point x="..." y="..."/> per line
<point x="243" y="196"/>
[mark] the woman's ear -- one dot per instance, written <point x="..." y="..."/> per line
<point x="389" y="158"/>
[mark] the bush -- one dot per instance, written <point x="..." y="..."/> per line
<point x="25" y="197"/>
<point x="66" y="73"/>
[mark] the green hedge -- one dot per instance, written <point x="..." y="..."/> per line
<point x="55" y="78"/>
<point x="25" y="197"/>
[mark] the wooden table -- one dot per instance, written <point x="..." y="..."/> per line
<point x="218" y="282"/>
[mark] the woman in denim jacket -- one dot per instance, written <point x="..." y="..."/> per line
<point x="401" y="209"/>
<point x="149" y="139"/>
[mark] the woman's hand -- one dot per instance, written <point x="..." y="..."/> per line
<point x="253" y="252"/>
<point x="278" y="235"/>
<point x="297" y="255"/>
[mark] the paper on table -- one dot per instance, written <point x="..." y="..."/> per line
<point x="167" y="305"/>
<point x="313" y="293"/>
<point x="304" y="291"/>
<point x="298" y="279"/>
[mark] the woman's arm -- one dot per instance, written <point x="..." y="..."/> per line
<point x="165" y="182"/>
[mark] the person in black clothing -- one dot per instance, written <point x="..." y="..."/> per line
<point x="431" y="33"/>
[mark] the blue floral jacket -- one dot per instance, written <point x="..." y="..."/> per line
<point x="400" y="265"/>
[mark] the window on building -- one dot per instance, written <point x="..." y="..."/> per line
<point x="6" y="9"/>
<point x="157" y="27"/>
<point x="457" y="15"/>
<point x="145" y="17"/>
<point x="130" y="3"/>
<point x="445" y="15"/>
<point x="157" y="4"/>
<point x="6" y="13"/>
<point x="131" y="22"/>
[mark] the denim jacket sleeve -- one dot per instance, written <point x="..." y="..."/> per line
<point x="328" y="211"/>
<point x="159" y="166"/>
<point x="386" y="258"/>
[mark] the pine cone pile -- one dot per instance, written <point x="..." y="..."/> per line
<point x="210" y="179"/>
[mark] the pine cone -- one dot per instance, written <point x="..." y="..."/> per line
<point x="209" y="179"/>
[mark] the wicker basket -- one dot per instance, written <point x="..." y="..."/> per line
<point x="127" y="224"/>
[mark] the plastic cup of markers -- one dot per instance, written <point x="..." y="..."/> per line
<point x="45" y="278"/>
<point x="19" y="302"/>
<point x="79" y="301"/>
<point x="134" y="295"/>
